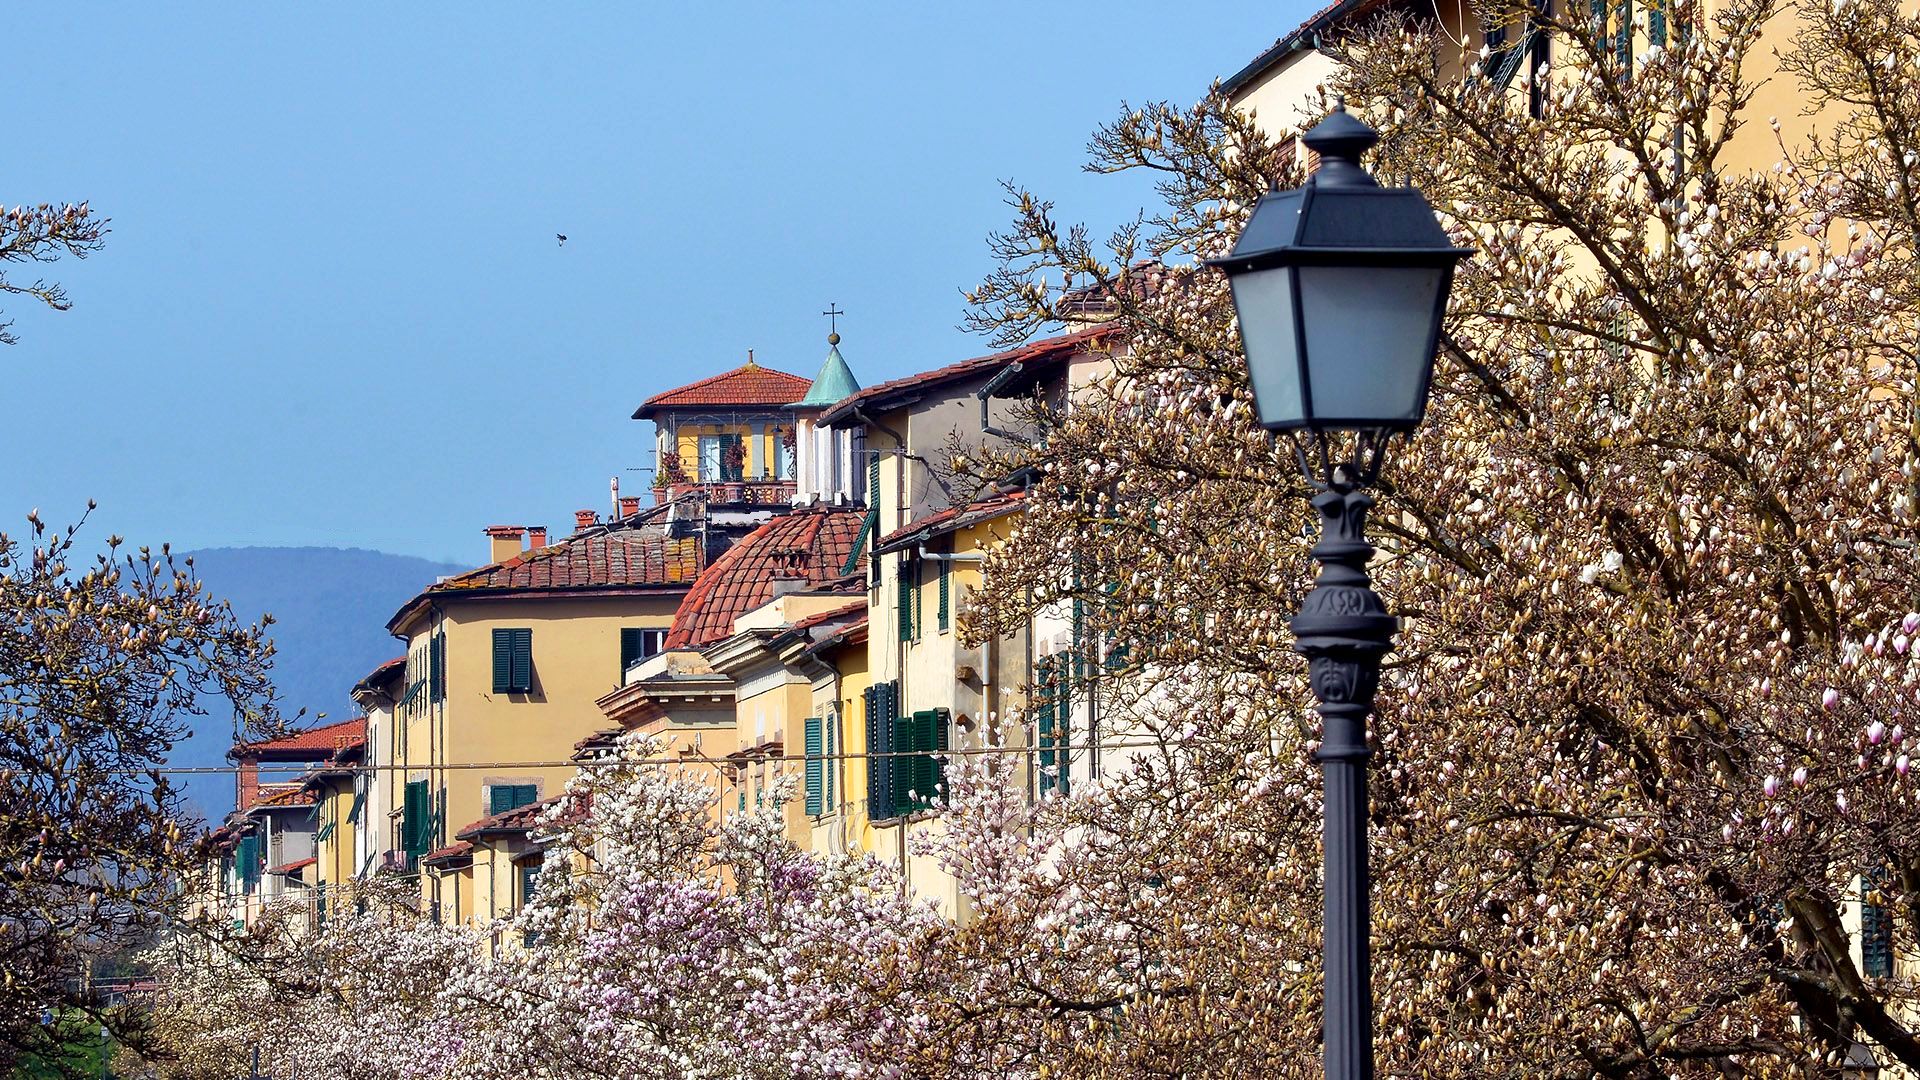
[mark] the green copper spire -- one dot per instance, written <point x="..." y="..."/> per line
<point x="834" y="382"/>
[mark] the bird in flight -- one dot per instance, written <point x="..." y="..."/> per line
<point x="562" y="237"/>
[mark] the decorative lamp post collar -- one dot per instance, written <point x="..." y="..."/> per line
<point x="1340" y="140"/>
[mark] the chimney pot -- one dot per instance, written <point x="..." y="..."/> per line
<point x="585" y="519"/>
<point x="629" y="505"/>
<point x="536" y="537"/>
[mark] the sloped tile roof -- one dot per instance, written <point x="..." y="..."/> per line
<point x="297" y="864"/>
<point x="389" y="670"/>
<point x="447" y="854"/>
<point x="748" y="384"/>
<point x="812" y="543"/>
<point x="291" y="795"/>
<point x="315" y="744"/>
<point x="952" y="519"/>
<point x="617" y="557"/>
<point x="841" y="612"/>
<point x="885" y="395"/>
<point x="518" y="819"/>
<point x="1299" y="38"/>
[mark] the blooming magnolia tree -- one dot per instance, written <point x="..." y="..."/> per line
<point x="1646" y="732"/>
<point x="663" y="942"/>
<point x="104" y="662"/>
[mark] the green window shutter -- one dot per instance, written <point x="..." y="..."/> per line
<point x="437" y="667"/>
<point x="1876" y="929"/>
<point x="504" y="797"/>
<point x="743" y="795"/>
<point x="905" y="600"/>
<point x="946" y="596"/>
<point x="816" y="774"/>
<point x="1052" y="715"/>
<point x="942" y="723"/>
<point x="502" y="661"/>
<point x="929" y="740"/>
<point x="523" y="660"/>
<point x="918" y="622"/>
<point x="832" y="724"/>
<point x="414" y="819"/>
<point x="1657" y="22"/>
<point x="325" y="831"/>
<point x="359" y="801"/>
<point x="903" y="767"/>
<point x="871" y="700"/>
<point x="529" y="882"/>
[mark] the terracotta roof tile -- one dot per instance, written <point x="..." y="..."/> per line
<point x="449" y="853"/>
<point x="618" y="557"/>
<point x="518" y="819"/>
<point x="312" y="744"/>
<point x="1299" y="38"/>
<point x="952" y="519"/>
<point x="297" y="864"/>
<point x="288" y="795"/>
<point x="748" y="384"/>
<point x="841" y="612"/>
<point x="389" y="670"/>
<point x="1047" y="350"/>
<point x="812" y="543"/>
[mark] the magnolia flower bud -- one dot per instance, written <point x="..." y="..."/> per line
<point x="1875" y="732"/>
<point x="1770" y="785"/>
<point x="1830" y="699"/>
<point x="1800" y="776"/>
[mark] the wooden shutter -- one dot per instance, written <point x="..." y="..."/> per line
<point x="413" y="819"/>
<point x="903" y="767"/>
<point x="872" y="701"/>
<point x="502" y="661"/>
<point x="905" y="600"/>
<point x="816" y="789"/>
<point x="946" y="598"/>
<point x="437" y="667"/>
<point x="832" y="724"/>
<point x="1876" y="929"/>
<point x="523" y="660"/>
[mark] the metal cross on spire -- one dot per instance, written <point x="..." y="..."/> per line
<point x="833" y="314"/>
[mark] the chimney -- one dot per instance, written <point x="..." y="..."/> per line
<point x="629" y="505"/>
<point x="536" y="537"/>
<point x="585" y="519"/>
<point x="613" y="486"/>
<point x="506" y="541"/>
<point x="249" y="776"/>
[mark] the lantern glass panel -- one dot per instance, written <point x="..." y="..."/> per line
<point x="1269" y="329"/>
<point x="1370" y="336"/>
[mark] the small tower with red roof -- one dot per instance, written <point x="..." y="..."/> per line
<point x="729" y="436"/>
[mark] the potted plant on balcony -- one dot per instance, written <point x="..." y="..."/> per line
<point x="733" y="467"/>
<point x="669" y="476"/>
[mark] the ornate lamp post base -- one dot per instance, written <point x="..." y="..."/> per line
<point x="1343" y="630"/>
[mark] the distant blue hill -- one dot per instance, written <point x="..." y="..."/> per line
<point x="330" y="609"/>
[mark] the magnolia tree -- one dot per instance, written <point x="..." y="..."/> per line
<point x="1642" y="753"/>
<point x="662" y="942"/>
<point x="41" y="234"/>
<point x="104" y="661"/>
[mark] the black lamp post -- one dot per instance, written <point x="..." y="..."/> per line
<point x="1340" y="286"/>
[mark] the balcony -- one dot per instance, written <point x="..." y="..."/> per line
<point x="735" y="492"/>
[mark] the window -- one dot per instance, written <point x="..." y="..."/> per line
<point x="946" y="596"/>
<point x="820" y="749"/>
<point x="722" y="457"/>
<point x="636" y="644"/>
<point x="1053" y="720"/>
<point x="1614" y="19"/>
<point x="416" y="818"/>
<point x="529" y="882"/>
<point x="816" y="773"/>
<point x="882" y="701"/>
<point x="504" y="797"/>
<point x="1876" y="928"/>
<point x="512" y="661"/>
<point x="437" y="667"/>
<point x="906" y="582"/>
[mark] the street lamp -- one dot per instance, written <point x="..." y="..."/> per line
<point x="1860" y="1064"/>
<point x="1340" y="286"/>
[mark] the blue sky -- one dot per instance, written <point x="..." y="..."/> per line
<point x="332" y="309"/>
